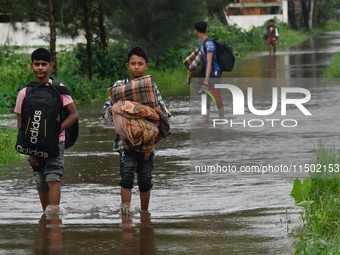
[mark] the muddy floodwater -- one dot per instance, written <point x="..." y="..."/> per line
<point x="190" y="213"/>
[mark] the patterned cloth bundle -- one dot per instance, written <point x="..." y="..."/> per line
<point x="194" y="64"/>
<point x="137" y="125"/>
<point x="140" y="90"/>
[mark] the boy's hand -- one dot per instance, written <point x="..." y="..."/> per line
<point x="110" y="110"/>
<point x="34" y="160"/>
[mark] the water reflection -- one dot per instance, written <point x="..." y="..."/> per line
<point x="50" y="239"/>
<point x="130" y="245"/>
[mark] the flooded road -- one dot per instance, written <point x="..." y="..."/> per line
<point x="189" y="213"/>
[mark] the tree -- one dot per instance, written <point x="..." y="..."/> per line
<point x="53" y="37"/>
<point x="291" y="14"/>
<point x="39" y="11"/>
<point x="305" y="13"/>
<point x="158" y="25"/>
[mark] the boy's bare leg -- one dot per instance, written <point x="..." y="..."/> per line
<point x="125" y="195"/>
<point x="144" y="200"/>
<point x="54" y="193"/>
<point x="270" y="49"/>
<point x="44" y="199"/>
<point x="221" y="113"/>
<point x="207" y="115"/>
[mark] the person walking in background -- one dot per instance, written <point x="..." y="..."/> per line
<point x="271" y="35"/>
<point x="209" y="57"/>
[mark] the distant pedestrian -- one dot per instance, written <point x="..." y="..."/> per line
<point x="271" y="35"/>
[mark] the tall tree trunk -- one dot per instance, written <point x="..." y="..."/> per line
<point x="53" y="38"/>
<point x="311" y="14"/>
<point x="103" y="37"/>
<point x="291" y="14"/>
<point x="305" y="13"/>
<point x="88" y="36"/>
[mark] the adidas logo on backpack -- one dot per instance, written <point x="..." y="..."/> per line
<point x="42" y="114"/>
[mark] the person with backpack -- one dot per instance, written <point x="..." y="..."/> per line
<point x="41" y="135"/>
<point x="211" y="67"/>
<point x="271" y="35"/>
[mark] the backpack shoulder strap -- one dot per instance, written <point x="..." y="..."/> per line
<point x="204" y="42"/>
<point x="205" y="49"/>
<point x="32" y="84"/>
<point x="61" y="89"/>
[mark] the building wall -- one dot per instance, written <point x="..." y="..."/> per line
<point x="31" y="34"/>
<point x="246" y="22"/>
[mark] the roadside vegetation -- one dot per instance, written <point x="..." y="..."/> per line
<point x="7" y="141"/>
<point x="319" y="196"/>
<point x="334" y="67"/>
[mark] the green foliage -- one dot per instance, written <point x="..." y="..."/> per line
<point x="7" y="142"/>
<point x="158" y="25"/>
<point x="300" y="192"/>
<point x="333" y="69"/>
<point x="325" y="10"/>
<point x="171" y="82"/>
<point x="245" y="42"/>
<point x="320" y="233"/>
<point x="109" y="64"/>
<point x="15" y="72"/>
<point x="332" y="26"/>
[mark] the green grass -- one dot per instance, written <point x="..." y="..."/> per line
<point x="332" y="26"/>
<point x="333" y="69"/>
<point x="7" y="140"/>
<point x="320" y="233"/>
<point x="171" y="83"/>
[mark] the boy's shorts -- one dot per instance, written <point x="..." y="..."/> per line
<point x="50" y="170"/>
<point x="132" y="161"/>
<point x="271" y="40"/>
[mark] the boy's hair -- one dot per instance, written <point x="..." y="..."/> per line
<point x="41" y="54"/>
<point x="138" y="51"/>
<point x="201" y="26"/>
<point x="271" y="20"/>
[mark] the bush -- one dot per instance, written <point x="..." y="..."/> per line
<point x="320" y="233"/>
<point x="7" y="141"/>
<point x="109" y="64"/>
<point x="15" y="73"/>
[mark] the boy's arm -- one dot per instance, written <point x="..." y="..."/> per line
<point x="71" y="118"/>
<point x="209" y="67"/>
<point x="19" y="120"/>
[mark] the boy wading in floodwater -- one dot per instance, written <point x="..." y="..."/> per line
<point x="41" y="130"/>
<point x="271" y="35"/>
<point x="209" y="57"/>
<point x="133" y="160"/>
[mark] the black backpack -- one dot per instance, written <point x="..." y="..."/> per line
<point x="225" y="57"/>
<point x="72" y="132"/>
<point x="40" y="111"/>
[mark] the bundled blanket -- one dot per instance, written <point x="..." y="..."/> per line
<point x="140" y="90"/>
<point x="194" y="64"/>
<point x="137" y="125"/>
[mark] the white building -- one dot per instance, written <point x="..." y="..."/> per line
<point x="31" y="34"/>
<point x="248" y="13"/>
